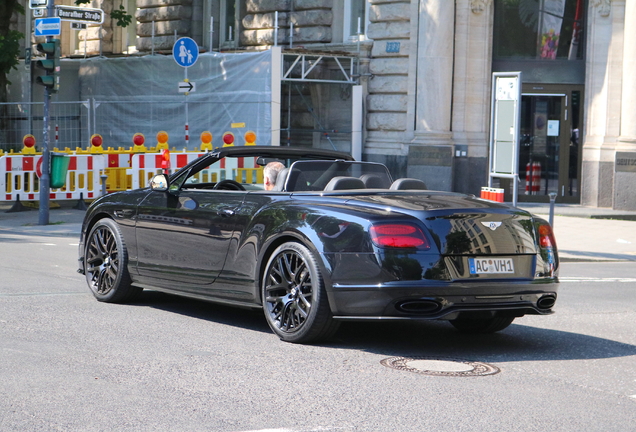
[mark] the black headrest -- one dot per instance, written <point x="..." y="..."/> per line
<point x="343" y="183"/>
<point x="280" y="179"/>
<point x="374" y="181"/>
<point x="408" y="183"/>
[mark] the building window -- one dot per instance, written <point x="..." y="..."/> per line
<point x="356" y="15"/>
<point x="230" y="19"/>
<point x="539" y="29"/>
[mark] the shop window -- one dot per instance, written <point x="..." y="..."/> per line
<point x="539" y="29"/>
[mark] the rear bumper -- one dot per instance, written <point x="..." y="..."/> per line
<point x="399" y="301"/>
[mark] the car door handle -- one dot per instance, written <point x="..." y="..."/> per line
<point x="226" y="212"/>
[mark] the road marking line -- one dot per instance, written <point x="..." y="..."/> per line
<point x="593" y="279"/>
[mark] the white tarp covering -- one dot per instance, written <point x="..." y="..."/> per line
<point x="141" y="94"/>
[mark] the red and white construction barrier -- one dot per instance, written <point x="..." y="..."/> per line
<point x="20" y="176"/>
<point x="145" y="166"/>
<point x="492" y="194"/>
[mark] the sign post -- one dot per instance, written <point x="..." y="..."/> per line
<point x="185" y="52"/>
<point x="49" y="29"/>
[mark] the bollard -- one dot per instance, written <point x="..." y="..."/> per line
<point x="553" y="196"/>
<point x="104" y="177"/>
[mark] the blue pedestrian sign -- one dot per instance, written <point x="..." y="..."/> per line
<point x="47" y="26"/>
<point x="185" y="52"/>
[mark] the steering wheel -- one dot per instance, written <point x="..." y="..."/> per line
<point x="229" y="185"/>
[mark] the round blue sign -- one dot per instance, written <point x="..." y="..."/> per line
<point x="185" y="52"/>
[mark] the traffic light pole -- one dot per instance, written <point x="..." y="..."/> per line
<point x="45" y="180"/>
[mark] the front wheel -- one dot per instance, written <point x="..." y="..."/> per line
<point x="482" y="325"/>
<point x="294" y="297"/>
<point x="106" y="264"/>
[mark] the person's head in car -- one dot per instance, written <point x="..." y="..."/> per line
<point x="270" y="174"/>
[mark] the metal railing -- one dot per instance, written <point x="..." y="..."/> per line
<point x="70" y="124"/>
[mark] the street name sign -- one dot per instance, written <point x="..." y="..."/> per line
<point x="48" y="26"/>
<point x="38" y="4"/>
<point x="80" y="14"/>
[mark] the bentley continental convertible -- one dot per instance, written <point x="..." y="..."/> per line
<point x="334" y="240"/>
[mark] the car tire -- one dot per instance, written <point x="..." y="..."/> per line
<point x="106" y="264"/>
<point x="482" y="325"/>
<point x="294" y="296"/>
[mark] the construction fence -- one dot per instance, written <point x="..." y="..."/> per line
<point x="95" y="171"/>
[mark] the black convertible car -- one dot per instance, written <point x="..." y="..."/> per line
<point x="335" y="240"/>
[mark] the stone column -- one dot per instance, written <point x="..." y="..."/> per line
<point x="625" y="159"/>
<point x="628" y="113"/>
<point x="471" y="93"/>
<point x="431" y="151"/>
<point x="390" y="98"/>
<point x="603" y="86"/>
<point x="98" y="38"/>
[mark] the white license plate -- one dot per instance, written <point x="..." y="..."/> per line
<point x="491" y="265"/>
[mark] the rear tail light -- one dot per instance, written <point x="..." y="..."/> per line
<point x="548" y="248"/>
<point x="546" y="237"/>
<point x="398" y="235"/>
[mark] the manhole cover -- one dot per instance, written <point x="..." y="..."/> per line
<point x="440" y="367"/>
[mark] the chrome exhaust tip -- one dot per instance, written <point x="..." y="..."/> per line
<point x="418" y="306"/>
<point x="546" y="302"/>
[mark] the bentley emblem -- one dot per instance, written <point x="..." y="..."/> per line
<point x="492" y="225"/>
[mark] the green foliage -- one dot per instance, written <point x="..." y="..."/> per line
<point x="9" y="51"/>
<point x="122" y="17"/>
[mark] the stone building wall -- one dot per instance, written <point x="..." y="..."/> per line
<point x="311" y="20"/>
<point x="168" y="16"/>
<point x="97" y="39"/>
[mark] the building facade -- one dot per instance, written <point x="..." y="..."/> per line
<point x="425" y="67"/>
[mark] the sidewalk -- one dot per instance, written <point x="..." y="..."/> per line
<point x="590" y="233"/>
<point x="63" y="222"/>
<point x="582" y="233"/>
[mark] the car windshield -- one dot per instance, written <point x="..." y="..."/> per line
<point x="244" y="170"/>
<point x="299" y="175"/>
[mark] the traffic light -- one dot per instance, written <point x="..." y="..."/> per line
<point x="51" y="65"/>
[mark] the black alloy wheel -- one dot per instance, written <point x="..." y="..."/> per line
<point x="106" y="264"/>
<point x="482" y="325"/>
<point x="294" y="298"/>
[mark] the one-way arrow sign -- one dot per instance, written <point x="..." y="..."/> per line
<point x="48" y="26"/>
<point x="187" y="87"/>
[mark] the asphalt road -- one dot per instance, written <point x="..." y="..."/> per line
<point x="165" y="363"/>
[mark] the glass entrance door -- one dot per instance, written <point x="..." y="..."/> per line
<point x="549" y="147"/>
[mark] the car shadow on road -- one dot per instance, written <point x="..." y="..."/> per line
<point x="438" y="339"/>
<point x="415" y="339"/>
<point x="251" y="319"/>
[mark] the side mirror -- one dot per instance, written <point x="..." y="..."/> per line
<point x="159" y="183"/>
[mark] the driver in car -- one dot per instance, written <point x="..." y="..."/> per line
<point x="270" y="173"/>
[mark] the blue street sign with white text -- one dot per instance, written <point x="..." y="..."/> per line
<point x="47" y="26"/>
<point x="185" y="52"/>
